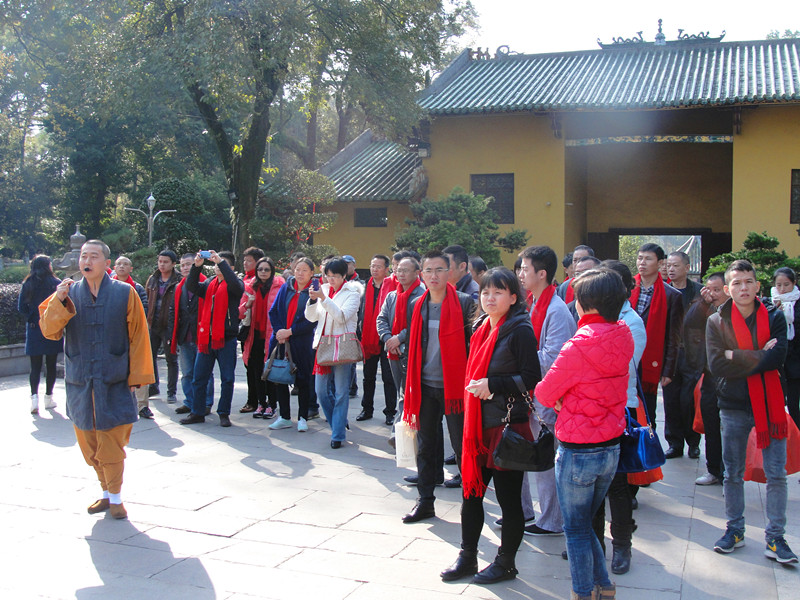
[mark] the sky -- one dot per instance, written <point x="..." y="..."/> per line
<point x="533" y="27"/>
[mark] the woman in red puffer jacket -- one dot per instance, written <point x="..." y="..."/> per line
<point x="588" y="385"/>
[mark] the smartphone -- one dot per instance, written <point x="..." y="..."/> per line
<point x="315" y="284"/>
<point x="205" y="253"/>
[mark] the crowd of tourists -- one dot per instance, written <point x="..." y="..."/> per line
<point x="491" y="353"/>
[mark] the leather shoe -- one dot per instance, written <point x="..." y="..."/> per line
<point x="118" y="511"/>
<point x="496" y="572"/>
<point x="183" y="409"/>
<point x="673" y="453"/>
<point x="335" y="444"/>
<point x="621" y="561"/>
<point x="450" y="460"/>
<point x="414" y="480"/>
<point x="98" y="506"/>
<point x="694" y="452"/>
<point x="453" y="482"/>
<point x="192" y="419"/>
<point x="224" y="421"/>
<point x="466" y="564"/>
<point x="208" y="410"/>
<point x="364" y="416"/>
<point x="389" y="420"/>
<point x="422" y="510"/>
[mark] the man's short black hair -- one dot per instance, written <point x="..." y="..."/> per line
<point x="188" y="255"/>
<point x="458" y="253"/>
<point x="336" y="266"/>
<point x="382" y="257"/>
<point x="170" y="255"/>
<point x="478" y="264"/>
<point x="741" y="265"/>
<point x="542" y="257"/>
<point x="588" y="249"/>
<point x="436" y="254"/>
<point x="103" y="246"/>
<point x="601" y="289"/>
<point x="654" y="248"/>
<point x="414" y="262"/>
<point x="567" y="260"/>
<point x="718" y="275"/>
<point x="592" y="259"/>
<point x="256" y="253"/>
<point x="682" y="255"/>
<point x="228" y="255"/>
<point x="400" y="255"/>
<point x="622" y="269"/>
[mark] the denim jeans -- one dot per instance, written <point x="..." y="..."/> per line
<point x="736" y="426"/>
<point x="203" y="366"/>
<point x="187" y="354"/>
<point x="157" y="339"/>
<point x="335" y="406"/>
<point x="583" y="476"/>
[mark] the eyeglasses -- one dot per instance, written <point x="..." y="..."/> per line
<point x="438" y="271"/>
<point x="264" y="270"/>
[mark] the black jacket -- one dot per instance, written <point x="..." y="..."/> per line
<point x="672" y="330"/>
<point x="515" y="353"/>
<point x="235" y="291"/>
<point x="731" y="375"/>
<point x="186" y="320"/>
<point x="694" y="335"/>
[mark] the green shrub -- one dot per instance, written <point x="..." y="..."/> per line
<point x="762" y="251"/>
<point x="14" y="274"/>
<point x="12" y="322"/>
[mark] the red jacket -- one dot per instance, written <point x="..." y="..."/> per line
<point x="590" y="374"/>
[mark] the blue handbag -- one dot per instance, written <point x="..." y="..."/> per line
<point x="279" y="370"/>
<point x="639" y="449"/>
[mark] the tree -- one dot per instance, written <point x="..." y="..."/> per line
<point x="460" y="218"/>
<point x="289" y="213"/>
<point x="762" y="251"/>
<point x="787" y="34"/>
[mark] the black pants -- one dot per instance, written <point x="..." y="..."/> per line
<point x="650" y="402"/>
<point x="370" y="379"/>
<point x="36" y="373"/>
<point x="430" y="440"/>
<point x="679" y="410"/>
<point x="793" y="399"/>
<point x="508" y="489"/>
<point x="304" y="386"/>
<point x="157" y="338"/>
<point x="619" y="503"/>
<point x="256" y="388"/>
<point x="710" y="412"/>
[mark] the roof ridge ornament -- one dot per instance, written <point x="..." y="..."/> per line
<point x="479" y="54"/>
<point x="660" y="39"/>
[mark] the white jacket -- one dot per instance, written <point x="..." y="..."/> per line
<point x="338" y="314"/>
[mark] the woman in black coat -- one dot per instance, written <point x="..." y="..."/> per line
<point x="37" y="286"/>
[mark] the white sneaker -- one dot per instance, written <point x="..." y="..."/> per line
<point x="34" y="404"/>
<point x="49" y="403"/>
<point x="707" y="479"/>
<point x="302" y="426"/>
<point x="281" y="423"/>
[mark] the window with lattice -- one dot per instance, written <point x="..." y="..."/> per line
<point x="499" y="186"/>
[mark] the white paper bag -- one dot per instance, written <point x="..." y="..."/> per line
<point x="405" y="445"/>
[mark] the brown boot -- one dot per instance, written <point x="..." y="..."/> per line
<point x="575" y="596"/>
<point x="118" y="511"/>
<point x="605" y="592"/>
<point x="98" y="506"/>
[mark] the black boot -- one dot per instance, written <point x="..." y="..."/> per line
<point x="501" y="569"/>
<point x="466" y="564"/>
<point x="621" y="560"/>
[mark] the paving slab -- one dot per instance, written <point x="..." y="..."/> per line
<point x="246" y="512"/>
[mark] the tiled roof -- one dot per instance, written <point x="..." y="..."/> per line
<point x="679" y="74"/>
<point x="371" y="169"/>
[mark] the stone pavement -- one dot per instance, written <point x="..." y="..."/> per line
<point x="248" y="513"/>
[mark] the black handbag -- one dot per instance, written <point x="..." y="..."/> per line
<point x="639" y="448"/>
<point x="514" y="452"/>
<point x="279" y="370"/>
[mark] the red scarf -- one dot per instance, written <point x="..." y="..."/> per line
<point x="540" y="311"/>
<point x="260" y="308"/>
<point x="389" y="285"/>
<point x="129" y="280"/>
<point x="291" y="311"/>
<point x="656" y="328"/>
<point x="569" y="295"/>
<point x="766" y="393"/>
<point x="588" y="319"/>
<point x="369" y="333"/>
<point x="214" y="315"/>
<point x="454" y="359"/>
<point x="400" y="321"/>
<point x="480" y="355"/>
<point x="178" y="290"/>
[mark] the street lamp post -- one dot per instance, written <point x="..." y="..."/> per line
<point x="151" y="218"/>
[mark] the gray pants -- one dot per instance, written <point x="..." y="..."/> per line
<point x="551" y="518"/>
